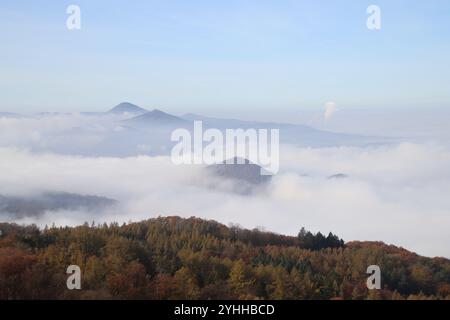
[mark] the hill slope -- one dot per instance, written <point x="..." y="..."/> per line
<point x="126" y="107"/>
<point x="20" y="207"/>
<point x="174" y="258"/>
<point x="155" y="118"/>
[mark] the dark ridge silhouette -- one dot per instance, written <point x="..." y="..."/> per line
<point x="240" y="169"/>
<point x="126" y="107"/>
<point x="156" y="117"/>
<point x="20" y="207"/>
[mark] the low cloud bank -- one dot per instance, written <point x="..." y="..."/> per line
<point x="396" y="194"/>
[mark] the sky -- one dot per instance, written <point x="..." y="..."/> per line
<point x="238" y="57"/>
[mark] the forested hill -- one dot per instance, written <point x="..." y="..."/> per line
<point x="175" y="258"/>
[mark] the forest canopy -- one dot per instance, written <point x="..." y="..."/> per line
<point x="175" y="258"/>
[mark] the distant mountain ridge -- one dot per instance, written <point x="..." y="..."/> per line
<point x="156" y="117"/>
<point x="10" y="115"/>
<point x="129" y="130"/>
<point x="295" y="134"/>
<point x="127" y="107"/>
<point x="20" y="207"/>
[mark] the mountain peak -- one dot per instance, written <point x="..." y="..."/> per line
<point x="127" y="107"/>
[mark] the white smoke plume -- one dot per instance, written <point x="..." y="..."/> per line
<point x="330" y="109"/>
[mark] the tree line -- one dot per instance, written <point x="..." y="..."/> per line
<point x="175" y="258"/>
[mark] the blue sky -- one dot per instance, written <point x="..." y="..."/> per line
<point x="224" y="57"/>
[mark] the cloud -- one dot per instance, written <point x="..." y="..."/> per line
<point x="397" y="194"/>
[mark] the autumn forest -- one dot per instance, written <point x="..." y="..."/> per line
<point x="175" y="258"/>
